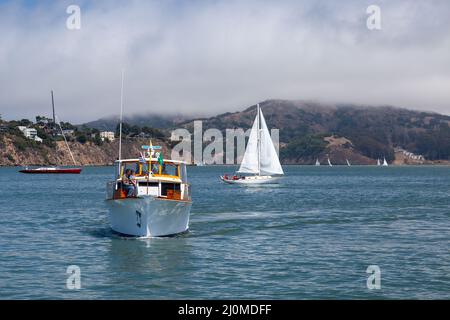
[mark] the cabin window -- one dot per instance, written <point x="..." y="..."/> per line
<point x="148" y="184"/>
<point x="166" y="169"/>
<point x="132" y="166"/>
<point x="169" y="169"/>
<point x="144" y="169"/>
<point x="169" y="186"/>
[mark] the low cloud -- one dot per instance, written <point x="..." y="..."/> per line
<point x="215" y="56"/>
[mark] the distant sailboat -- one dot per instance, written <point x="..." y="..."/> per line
<point x="329" y="162"/>
<point x="378" y="162"/>
<point x="317" y="163"/>
<point x="385" y="164"/>
<point x="260" y="158"/>
<point x="348" y="162"/>
<point x="55" y="169"/>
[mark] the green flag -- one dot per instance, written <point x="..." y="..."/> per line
<point x="160" y="158"/>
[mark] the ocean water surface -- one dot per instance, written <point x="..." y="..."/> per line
<point x="312" y="236"/>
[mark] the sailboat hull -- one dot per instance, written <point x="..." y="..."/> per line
<point x="52" y="171"/>
<point x="251" y="180"/>
<point x="149" y="216"/>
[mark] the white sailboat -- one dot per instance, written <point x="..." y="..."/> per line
<point x="385" y="164"/>
<point x="348" y="162"/>
<point x="378" y="162"/>
<point x="260" y="159"/>
<point x="317" y="163"/>
<point x="329" y="162"/>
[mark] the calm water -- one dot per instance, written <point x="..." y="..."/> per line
<point x="311" y="236"/>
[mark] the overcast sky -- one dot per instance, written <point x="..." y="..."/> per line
<point x="220" y="55"/>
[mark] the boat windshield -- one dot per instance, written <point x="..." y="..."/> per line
<point x="132" y="166"/>
<point x="155" y="168"/>
<point x="169" y="169"/>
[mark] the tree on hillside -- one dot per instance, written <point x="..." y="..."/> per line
<point x="304" y="147"/>
<point x="25" y="122"/>
<point x="43" y="120"/>
<point x="81" y="138"/>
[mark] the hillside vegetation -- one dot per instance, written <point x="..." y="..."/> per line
<point x="308" y="131"/>
<point x="374" y="132"/>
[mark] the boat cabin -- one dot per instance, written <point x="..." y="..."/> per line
<point x="151" y="178"/>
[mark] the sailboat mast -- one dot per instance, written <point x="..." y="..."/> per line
<point x="54" y="118"/>
<point x="259" y="138"/>
<point x="121" y="118"/>
<point x="54" y="128"/>
<point x="67" y="144"/>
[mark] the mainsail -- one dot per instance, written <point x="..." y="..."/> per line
<point x="260" y="156"/>
<point x="250" y="161"/>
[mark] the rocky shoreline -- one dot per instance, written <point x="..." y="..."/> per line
<point x="91" y="154"/>
<point x="86" y="154"/>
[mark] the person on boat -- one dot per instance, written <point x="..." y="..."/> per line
<point x="129" y="183"/>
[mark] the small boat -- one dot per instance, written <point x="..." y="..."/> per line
<point x="55" y="169"/>
<point x="161" y="203"/>
<point x="329" y="162"/>
<point x="378" y="162"/>
<point x="348" y="162"/>
<point x="52" y="170"/>
<point x="157" y="203"/>
<point x="317" y="163"/>
<point x="265" y="169"/>
<point x="385" y="164"/>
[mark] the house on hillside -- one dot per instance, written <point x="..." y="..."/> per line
<point x="30" y="133"/>
<point x="109" y="135"/>
<point x="407" y="155"/>
<point x="3" y="128"/>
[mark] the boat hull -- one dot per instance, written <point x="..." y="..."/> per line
<point x="149" y="216"/>
<point x="54" y="171"/>
<point x="252" y="180"/>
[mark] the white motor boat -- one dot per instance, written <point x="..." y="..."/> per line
<point x="161" y="203"/>
<point x="155" y="200"/>
<point x="260" y="162"/>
